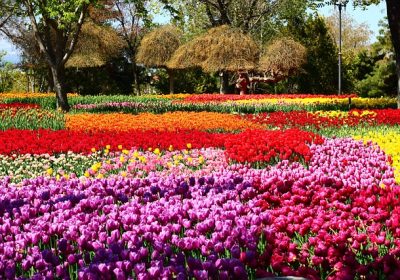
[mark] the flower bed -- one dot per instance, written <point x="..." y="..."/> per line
<point x="164" y="122"/>
<point x="323" y="119"/>
<point x="200" y="195"/>
<point x="388" y="140"/>
<point x="29" y="155"/>
<point x="205" y="98"/>
<point x="61" y="141"/>
<point x="26" y="117"/>
<point x="23" y="95"/>
<point x="337" y="217"/>
<point x="18" y="105"/>
<point x="270" y="147"/>
<point x="286" y="100"/>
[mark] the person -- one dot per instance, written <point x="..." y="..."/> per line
<point x="242" y="83"/>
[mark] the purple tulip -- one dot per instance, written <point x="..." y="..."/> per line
<point x="9" y="272"/>
<point x="154" y="272"/>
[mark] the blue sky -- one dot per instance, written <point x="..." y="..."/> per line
<point x="371" y="16"/>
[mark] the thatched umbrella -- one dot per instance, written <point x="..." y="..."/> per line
<point x="284" y="56"/>
<point x="157" y="48"/>
<point x="96" y="45"/>
<point x="230" y="50"/>
<point x="186" y="56"/>
<point x="222" y="49"/>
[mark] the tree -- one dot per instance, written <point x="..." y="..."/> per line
<point x="6" y="11"/>
<point x="157" y="48"/>
<point x="222" y="49"/>
<point x="393" y="15"/>
<point x="56" y="26"/>
<point x="130" y="18"/>
<point x="5" y="73"/>
<point x="33" y="62"/>
<point x="262" y="19"/>
<point x="355" y="36"/>
<point x="255" y="17"/>
<point x="375" y="68"/>
<point x="381" y="81"/>
<point x="320" y="70"/>
<point x="98" y="44"/>
<point x="244" y="14"/>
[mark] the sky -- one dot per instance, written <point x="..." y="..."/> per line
<point x="370" y="16"/>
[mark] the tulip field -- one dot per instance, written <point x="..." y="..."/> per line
<point x="199" y="187"/>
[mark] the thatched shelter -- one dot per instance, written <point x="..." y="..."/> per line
<point x="230" y="50"/>
<point x="157" y="48"/>
<point x="96" y="45"/>
<point x="187" y="56"/>
<point x="284" y="56"/>
<point x="222" y="49"/>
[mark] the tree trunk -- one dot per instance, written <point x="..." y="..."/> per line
<point x="135" y="78"/>
<point x="50" y="82"/>
<point x="59" y="87"/>
<point x="224" y="83"/>
<point x="393" y="14"/>
<point x="398" y="84"/>
<point x="171" y="75"/>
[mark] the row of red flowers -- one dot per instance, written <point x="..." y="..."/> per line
<point x="203" y="98"/>
<point x="18" y="105"/>
<point x="266" y="146"/>
<point x="304" y="118"/>
<point x="248" y="146"/>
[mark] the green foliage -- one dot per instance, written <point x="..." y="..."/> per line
<point x="320" y="72"/>
<point x="113" y="98"/>
<point x="48" y="103"/>
<point x="31" y="119"/>
<point x="381" y="82"/>
<point x="362" y="65"/>
<point x="113" y="78"/>
<point x="64" y="12"/>
<point x="375" y="70"/>
<point x="356" y="3"/>
<point x="11" y="78"/>
<point x="346" y="131"/>
<point x="188" y="81"/>
<point x="6" y="74"/>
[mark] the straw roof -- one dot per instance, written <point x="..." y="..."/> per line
<point x="96" y="45"/>
<point x="157" y="47"/>
<point x="187" y="56"/>
<point x="222" y="48"/>
<point x="283" y="55"/>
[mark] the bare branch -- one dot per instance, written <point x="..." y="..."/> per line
<point x="5" y="20"/>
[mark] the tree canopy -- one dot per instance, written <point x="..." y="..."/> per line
<point x="355" y="36"/>
<point x="56" y="27"/>
<point x="393" y="16"/>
